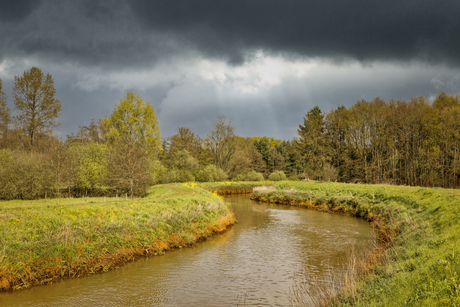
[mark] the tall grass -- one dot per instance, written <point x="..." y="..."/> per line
<point x="44" y="240"/>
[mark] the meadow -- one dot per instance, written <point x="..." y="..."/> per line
<point x="418" y="260"/>
<point x="49" y="239"/>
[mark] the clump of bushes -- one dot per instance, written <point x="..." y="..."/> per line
<point x="250" y="176"/>
<point x="277" y="176"/>
<point x="212" y="173"/>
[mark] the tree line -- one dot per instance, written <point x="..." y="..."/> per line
<point x="405" y="142"/>
<point x="414" y="142"/>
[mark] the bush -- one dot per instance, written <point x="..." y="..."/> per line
<point x="329" y="173"/>
<point x="25" y="175"/>
<point x="250" y="176"/>
<point x="277" y="176"/>
<point x="212" y="173"/>
<point x="162" y="174"/>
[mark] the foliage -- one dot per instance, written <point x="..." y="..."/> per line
<point x="401" y="142"/>
<point x="212" y="173"/>
<point x="312" y="141"/>
<point x="133" y="120"/>
<point x="34" y="98"/>
<point x="92" y="170"/>
<point x="329" y="172"/>
<point x="277" y="176"/>
<point x="24" y="175"/>
<point x="250" y="176"/>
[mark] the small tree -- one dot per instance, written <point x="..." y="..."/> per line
<point x="34" y="97"/>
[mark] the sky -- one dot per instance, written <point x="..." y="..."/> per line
<point x="262" y="63"/>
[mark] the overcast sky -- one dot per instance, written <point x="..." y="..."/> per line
<point x="263" y="63"/>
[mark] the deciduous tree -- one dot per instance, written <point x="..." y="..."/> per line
<point x="34" y="97"/>
<point x="134" y="121"/>
<point x="221" y="142"/>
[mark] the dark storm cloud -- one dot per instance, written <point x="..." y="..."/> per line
<point x="362" y="29"/>
<point x="141" y="32"/>
<point x="17" y="10"/>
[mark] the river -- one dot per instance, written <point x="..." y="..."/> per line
<point x="253" y="263"/>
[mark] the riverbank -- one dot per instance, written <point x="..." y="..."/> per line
<point x="46" y="240"/>
<point x="231" y="187"/>
<point x="419" y="226"/>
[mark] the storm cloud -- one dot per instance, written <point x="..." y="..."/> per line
<point x="359" y="29"/>
<point x="264" y="63"/>
<point x="125" y="33"/>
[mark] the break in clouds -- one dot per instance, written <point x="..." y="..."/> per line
<point x="263" y="63"/>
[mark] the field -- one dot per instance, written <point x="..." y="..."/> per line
<point x="48" y="239"/>
<point x="420" y="228"/>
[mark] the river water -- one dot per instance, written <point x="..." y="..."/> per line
<point x="252" y="263"/>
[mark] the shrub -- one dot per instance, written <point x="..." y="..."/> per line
<point x="24" y="175"/>
<point x="250" y="176"/>
<point x="212" y="173"/>
<point x="277" y="176"/>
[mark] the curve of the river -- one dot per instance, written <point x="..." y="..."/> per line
<point x="254" y="262"/>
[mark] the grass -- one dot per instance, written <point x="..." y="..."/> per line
<point x="419" y="228"/>
<point x="45" y="240"/>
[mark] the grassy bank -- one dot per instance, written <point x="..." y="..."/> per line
<point x="231" y="187"/>
<point x="419" y="226"/>
<point x="45" y="240"/>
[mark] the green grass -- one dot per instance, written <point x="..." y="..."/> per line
<point x="42" y="240"/>
<point x="422" y="265"/>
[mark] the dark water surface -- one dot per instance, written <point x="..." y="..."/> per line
<point x="254" y="262"/>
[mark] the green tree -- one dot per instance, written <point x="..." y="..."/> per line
<point x="133" y="120"/>
<point x="34" y="97"/>
<point x="313" y="140"/>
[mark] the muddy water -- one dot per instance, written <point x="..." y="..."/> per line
<point x="253" y="263"/>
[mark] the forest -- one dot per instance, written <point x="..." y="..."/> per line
<point x="405" y="142"/>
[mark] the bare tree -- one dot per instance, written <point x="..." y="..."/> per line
<point x="128" y="167"/>
<point x="221" y="142"/>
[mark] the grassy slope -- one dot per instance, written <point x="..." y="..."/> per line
<point x="44" y="240"/>
<point x="424" y="264"/>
